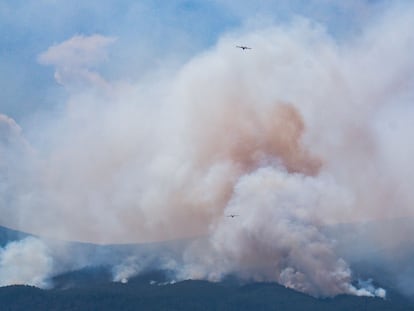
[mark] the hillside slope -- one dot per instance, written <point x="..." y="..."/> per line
<point x="142" y="294"/>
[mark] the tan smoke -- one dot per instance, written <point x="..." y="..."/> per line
<point x="291" y="135"/>
<point x="246" y="136"/>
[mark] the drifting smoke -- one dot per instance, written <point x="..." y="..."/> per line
<point x="292" y="135"/>
<point x="25" y="262"/>
<point x="367" y="289"/>
<point x="132" y="265"/>
<point x="75" y="57"/>
<point x="129" y="268"/>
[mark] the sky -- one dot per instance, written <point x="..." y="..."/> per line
<point x="147" y="32"/>
<point x="126" y="121"/>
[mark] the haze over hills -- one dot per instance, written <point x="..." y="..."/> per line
<point x="94" y="282"/>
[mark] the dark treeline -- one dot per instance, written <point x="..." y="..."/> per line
<point x="140" y="294"/>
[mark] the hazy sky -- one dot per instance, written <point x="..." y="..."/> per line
<point x="147" y="33"/>
<point x="139" y="121"/>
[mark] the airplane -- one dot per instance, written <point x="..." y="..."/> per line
<point x="232" y="215"/>
<point x="243" y="47"/>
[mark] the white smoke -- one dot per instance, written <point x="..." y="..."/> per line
<point x="164" y="258"/>
<point x="366" y="288"/>
<point x="288" y="135"/>
<point x="74" y="58"/>
<point x="27" y="261"/>
<point x="128" y="268"/>
<point x="278" y="236"/>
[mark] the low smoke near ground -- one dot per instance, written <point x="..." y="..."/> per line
<point x="302" y="132"/>
<point x="27" y="261"/>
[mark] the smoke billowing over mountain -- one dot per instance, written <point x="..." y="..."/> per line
<point x="302" y="132"/>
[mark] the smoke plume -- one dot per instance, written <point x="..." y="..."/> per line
<point x="27" y="261"/>
<point x="301" y="132"/>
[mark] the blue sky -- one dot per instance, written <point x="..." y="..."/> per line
<point x="146" y="31"/>
<point x="143" y="28"/>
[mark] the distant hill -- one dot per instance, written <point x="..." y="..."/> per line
<point x="8" y="235"/>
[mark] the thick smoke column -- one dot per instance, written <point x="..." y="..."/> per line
<point x="292" y="135"/>
<point x="278" y="236"/>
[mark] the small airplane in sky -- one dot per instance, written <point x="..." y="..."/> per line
<point x="232" y="215"/>
<point x="243" y="47"/>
